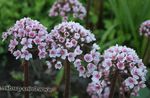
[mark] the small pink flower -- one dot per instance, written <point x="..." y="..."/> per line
<point x="66" y="34"/>
<point x="61" y="39"/>
<point x="77" y="63"/>
<point x="91" y="67"/>
<point x="81" y="70"/>
<point x="21" y="33"/>
<point x="32" y="34"/>
<point x="129" y="58"/>
<point x="58" y="65"/>
<point x="107" y="64"/>
<point x="77" y="36"/>
<point x="141" y="84"/>
<point x="27" y="43"/>
<point x="120" y="65"/>
<point x="42" y="54"/>
<point x="69" y="44"/>
<point x="17" y="54"/>
<point x="37" y="40"/>
<point x="121" y="57"/>
<point x="53" y="53"/>
<point x="95" y="46"/>
<point x="145" y="28"/>
<point x="63" y="53"/>
<point x="13" y="43"/>
<point x="74" y="42"/>
<point x="78" y="51"/>
<point x="136" y="72"/>
<point x="26" y="55"/>
<point x="88" y="58"/>
<point x="42" y="47"/>
<point x="48" y="64"/>
<point x="4" y="36"/>
<point x="96" y="76"/>
<point x="71" y="57"/>
<point x="130" y="82"/>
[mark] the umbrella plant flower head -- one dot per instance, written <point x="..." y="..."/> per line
<point x="72" y="42"/>
<point x="145" y="28"/>
<point x="65" y="7"/>
<point x="26" y="37"/>
<point x="120" y="66"/>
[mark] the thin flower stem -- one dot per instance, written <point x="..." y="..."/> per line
<point x="146" y="52"/>
<point x="113" y="84"/>
<point x="123" y="92"/>
<point x="145" y="48"/>
<point x="67" y="79"/>
<point x="100" y="24"/>
<point x="88" y="12"/>
<point x="26" y="77"/>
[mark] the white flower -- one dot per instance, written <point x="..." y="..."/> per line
<point x="120" y="65"/>
<point x="26" y="55"/>
<point x="58" y="65"/>
<point x="27" y="43"/>
<point x="78" y="51"/>
<point x="96" y="76"/>
<point x="71" y="57"/>
<point x="17" y="54"/>
<point x="53" y="52"/>
<point x="77" y="63"/>
<point x="130" y="82"/>
<point x="88" y="58"/>
<point x="95" y="46"/>
<point x="48" y="64"/>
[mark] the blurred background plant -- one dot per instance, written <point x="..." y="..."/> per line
<point x="112" y="21"/>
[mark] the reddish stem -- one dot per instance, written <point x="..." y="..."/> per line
<point x="113" y="84"/>
<point x="67" y="79"/>
<point x="100" y="24"/>
<point x="26" y="78"/>
<point x="88" y="11"/>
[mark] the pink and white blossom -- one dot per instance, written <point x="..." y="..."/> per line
<point x="26" y="36"/>
<point x="64" y="8"/>
<point x="26" y="55"/>
<point x="66" y="44"/>
<point x="17" y="54"/>
<point x="145" y="28"/>
<point x="88" y="58"/>
<point x="58" y="65"/>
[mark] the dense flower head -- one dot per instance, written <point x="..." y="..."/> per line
<point x="27" y="35"/>
<point x="122" y="63"/>
<point x="64" y="7"/>
<point x="72" y="42"/>
<point x="145" y="28"/>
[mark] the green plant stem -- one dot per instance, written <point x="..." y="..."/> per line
<point x="113" y="84"/>
<point x="67" y="79"/>
<point x="26" y="77"/>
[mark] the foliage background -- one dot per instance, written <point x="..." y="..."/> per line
<point x="112" y="21"/>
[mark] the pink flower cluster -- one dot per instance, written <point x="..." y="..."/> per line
<point x="27" y="36"/>
<point x="63" y="8"/>
<point x="70" y="41"/>
<point x="122" y="63"/>
<point x="145" y="28"/>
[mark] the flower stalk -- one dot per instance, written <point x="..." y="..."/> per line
<point x="88" y="12"/>
<point x="67" y="79"/>
<point x="113" y="84"/>
<point x="26" y="77"/>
